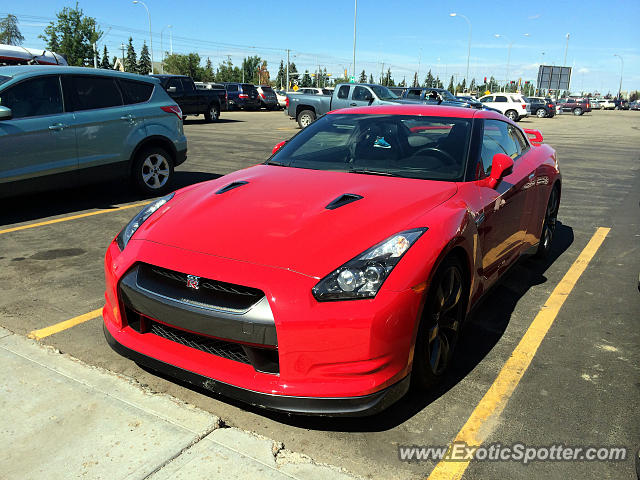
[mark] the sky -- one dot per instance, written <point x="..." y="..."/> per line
<point x="405" y="36"/>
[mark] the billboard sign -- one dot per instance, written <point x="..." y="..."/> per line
<point x="554" y="78"/>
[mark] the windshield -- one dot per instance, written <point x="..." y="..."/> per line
<point x="447" y="95"/>
<point x="383" y="93"/>
<point x="410" y="146"/>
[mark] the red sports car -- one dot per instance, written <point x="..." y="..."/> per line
<point x="340" y="271"/>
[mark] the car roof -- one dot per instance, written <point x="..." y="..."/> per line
<point x="421" y="110"/>
<point x="17" y="71"/>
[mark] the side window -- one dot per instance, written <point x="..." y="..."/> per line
<point x="187" y="85"/>
<point x="496" y="139"/>
<point x="414" y="94"/>
<point x="486" y="99"/>
<point x="344" y="91"/>
<point x="232" y="88"/>
<point x="500" y="98"/>
<point x="96" y="92"/>
<point x="361" y="93"/>
<point x="136" y="92"/>
<point x="33" y="98"/>
<point x="519" y="139"/>
<point x="175" y="82"/>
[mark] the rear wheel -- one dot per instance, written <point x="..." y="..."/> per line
<point x="549" y="225"/>
<point x="541" y="113"/>
<point x="577" y="111"/>
<point x="306" y="118"/>
<point x="511" y="115"/>
<point x="153" y="171"/>
<point x="213" y="113"/>
<point x="439" y="329"/>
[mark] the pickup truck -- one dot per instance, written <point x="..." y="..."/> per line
<point x="305" y="108"/>
<point x="191" y="100"/>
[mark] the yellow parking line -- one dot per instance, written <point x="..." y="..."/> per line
<point x="72" y="217"/>
<point x="59" y="327"/>
<point x="477" y="428"/>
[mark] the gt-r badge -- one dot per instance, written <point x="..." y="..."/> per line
<point x="193" y="282"/>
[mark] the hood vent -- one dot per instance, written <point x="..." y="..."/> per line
<point x="231" y="186"/>
<point x="343" y="200"/>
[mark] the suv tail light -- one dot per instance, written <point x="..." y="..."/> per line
<point x="550" y="105"/>
<point x="524" y="106"/>
<point x="175" y="109"/>
<point x="243" y="95"/>
<point x="286" y="101"/>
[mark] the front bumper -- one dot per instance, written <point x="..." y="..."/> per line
<point x="339" y="406"/>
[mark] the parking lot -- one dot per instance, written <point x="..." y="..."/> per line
<point x="581" y="387"/>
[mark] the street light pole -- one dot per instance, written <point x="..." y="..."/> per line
<point x="138" y="2"/>
<point x="621" y="69"/>
<point x="469" y="45"/>
<point x="566" y="47"/>
<point x="355" y="16"/>
<point x="162" y="48"/>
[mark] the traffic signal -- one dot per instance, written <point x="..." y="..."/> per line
<point x="485" y="79"/>
<point x="527" y="82"/>
<point x="512" y="82"/>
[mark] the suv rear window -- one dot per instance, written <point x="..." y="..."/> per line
<point x="136" y="92"/>
<point x="267" y="89"/>
<point x="247" y="87"/>
<point x="96" y="92"/>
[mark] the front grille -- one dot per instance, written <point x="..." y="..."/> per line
<point x="210" y="294"/>
<point x="214" y="346"/>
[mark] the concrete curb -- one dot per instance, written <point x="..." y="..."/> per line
<point x="62" y="418"/>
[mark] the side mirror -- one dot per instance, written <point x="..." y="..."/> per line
<point x="278" y="147"/>
<point x="171" y="90"/>
<point x="5" y="113"/>
<point x="501" y="166"/>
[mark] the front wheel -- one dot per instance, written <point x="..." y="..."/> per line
<point x="541" y="113"/>
<point x="443" y="315"/>
<point x="577" y="111"/>
<point x="549" y="225"/>
<point x="152" y="171"/>
<point x="306" y="118"/>
<point x="512" y="115"/>
<point x="213" y="113"/>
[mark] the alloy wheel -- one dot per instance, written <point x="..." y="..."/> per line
<point x="541" y="113"/>
<point x="155" y="171"/>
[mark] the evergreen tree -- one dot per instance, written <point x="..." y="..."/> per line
<point x="438" y="83"/>
<point x="9" y="31"/>
<point x="429" y="81"/>
<point x="130" y="61"/>
<point x="463" y="85"/>
<point x="105" y="59"/>
<point x="281" y="78"/>
<point x="363" y="77"/>
<point x="451" y="87"/>
<point x="293" y="74"/>
<point x="207" y="72"/>
<point x="371" y="78"/>
<point x="144" y="64"/>
<point x="416" y="82"/>
<point x="388" y="81"/>
<point x="306" y="80"/>
<point x="473" y="87"/>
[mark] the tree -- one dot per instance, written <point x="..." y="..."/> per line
<point x="73" y="36"/>
<point x="429" y="80"/>
<point x="281" y="78"/>
<point x="250" y="68"/>
<point x="207" y="72"/>
<point x="363" y="77"/>
<point x="105" y="59"/>
<point x="450" y="87"/>
<point x="371" y="78"/>
<point x="131" y="60"/>
<point x="306" y="80"/>
<point x="416" y="82"/>
<point x="438" y="83"/>
<point x="184" y="65"/>
<point x="388" y="80"/>
<point x="473" y="87"/>
<point x="227" y="72"/>
<point x="9" y="31"/>
<point x="144" y="64"/>
<point x="293" y="73"/>
<point x="263" y="73"/>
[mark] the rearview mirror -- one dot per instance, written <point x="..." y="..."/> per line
<point x="278" y="147"/>
<point x="171" y="90"/>
<point x="501" y="166"/>
<point x="5" y="113"/>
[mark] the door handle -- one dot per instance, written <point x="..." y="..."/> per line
<point x="353" y="104"/>
<point x="58" y="126"/>
<point x="128" y="118"/>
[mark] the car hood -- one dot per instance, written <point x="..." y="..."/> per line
<point x="279" y="216"/>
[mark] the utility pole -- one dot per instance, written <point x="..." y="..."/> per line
<point x="286" y="89"/>
<point x="382" y="74"/>
<point x="621" y="69"/>
<point x="355" y="14"/>
<point x="122" y="45"/>
<point x="418" y="72"/>
<point x="566" y="47"/>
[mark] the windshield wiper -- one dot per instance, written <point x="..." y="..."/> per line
<point x="370" y="172"/>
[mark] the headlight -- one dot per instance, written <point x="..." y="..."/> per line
<point x="127" y="232"/>
<point x="362" y="276"/>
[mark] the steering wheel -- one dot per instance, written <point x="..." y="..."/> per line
<point x="444" y="156"/>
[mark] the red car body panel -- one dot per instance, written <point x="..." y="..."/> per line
<point x="275" y="234"/>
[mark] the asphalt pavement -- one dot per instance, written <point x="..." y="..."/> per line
<point x="581" y="386"/>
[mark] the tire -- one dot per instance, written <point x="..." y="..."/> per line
<point x="549" y="224"/>
<point x="213" y="113"/>
<point x="577" y="111"/>
<point x="439" y="328"/>
<point x="152" y="171"/>
<point x="541" y="113"/>
<point x="511" y="115"/>
<point x="306" y="118"/>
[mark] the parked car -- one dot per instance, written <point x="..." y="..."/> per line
<point x="634" y="105"/>
<point x="281" y="95"/>
<point x="399" y="91"/>
<point x="541" y="107"/>
<point x="621" y="104"/>
<point x="242" y="96"/>
<point x="109" y="125"/>
<point x="392" y="223"/>
<point x="607" y="104"/>
<point x="268" y="98"/>
<point x="314" y="91"/>
<point x="305" y="108"/>
<point x="595" y="104"/>
<point x="512" y="105"/>
<point x="193" y="101"/>
<point x="469" y="99"/>
<point x="577" y="106"/>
